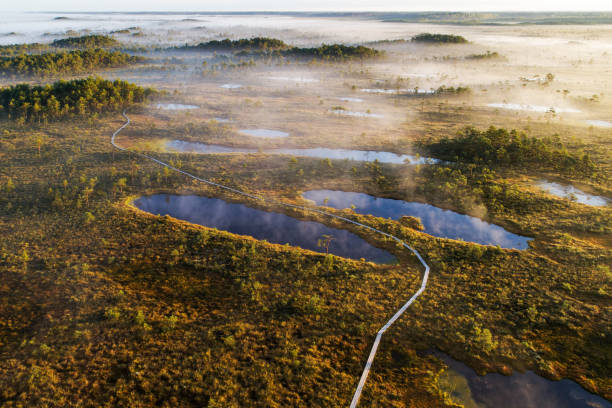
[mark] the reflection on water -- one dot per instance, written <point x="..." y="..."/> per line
<point x="175" y="106"/>
<point x="382" y="91"/>
<point x="348" y="99"/>
<point x="264" y="133"/>
<point x="572" y="193"/>
<point x="344" y="112"/>
<point x="520" y="390"/>
<point x="532" y="108"/>
<point x="231" y="86"/>
<point x="437" y="222"/>
<point x="415" y="91"/>
<point x="293" y="79"/>
<point x="600" y="123"/>
<point x="274" y="227"/>
<point x="317" y="152"/>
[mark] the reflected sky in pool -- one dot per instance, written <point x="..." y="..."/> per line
<point x="572" y="193"/>
<point x="437" y="222"/>
<point x="273" y="227"/>
<point x="520" y="390"/>
<point x="317" y="152"/>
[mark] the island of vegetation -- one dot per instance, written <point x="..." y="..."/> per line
<point x="79" y="97"/>
<point x="73" y="62"/>
<point x="270" y="47"/>
<point x="255" y="43"/>
<point x="325" y="52"/>
<point x="17" y="49"/>
<point x="439" y="38"/>
<point x="86" y="41"/>
<point x="485" y="55"/>
<point x="498" y="147"/>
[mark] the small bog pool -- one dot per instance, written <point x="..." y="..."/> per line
<point x="273" y="227"/>
<point x="437" y="222"/>
<point x="572" y="193"/>
<point x="343" y="112"/>
<point x="316" y="152"/>
<point x="519" y="390"/>
<point x="175" y="106"/>
<point x="266" y="133"/>
<point x="532" y="108"/>
<point x="600" y="123"/>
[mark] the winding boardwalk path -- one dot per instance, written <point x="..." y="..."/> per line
<point x="368" y="365"/>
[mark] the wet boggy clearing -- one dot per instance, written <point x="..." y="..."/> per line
<point x="149" y="300"/>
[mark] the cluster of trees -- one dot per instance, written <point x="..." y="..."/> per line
<point x="439" y="38"/>
<point x="333" y="52"/>
<point x="86" y="41"/>
<point x="498" y="147"/>
<point x="485" y="55"/>
<point x="328" y="52"/>
<point x="453" y="90"/>
<point x="271" y="47"/>
<point x="72" y="62"/>
<point x="256" y="43"/>
<point x="79" y="97"/>
<point x="17" y="49"/>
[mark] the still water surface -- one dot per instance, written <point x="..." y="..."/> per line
<point x="316" y="152"/>
<point x="274" y="227"/>
<point x="437" y="222"/>
<point x="519" y="390"/>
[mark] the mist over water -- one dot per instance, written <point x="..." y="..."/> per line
<point x="437" y="222"/>
<point x="319" y="152"/>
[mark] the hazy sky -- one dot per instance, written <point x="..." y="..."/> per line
<point x="300" y="5"/>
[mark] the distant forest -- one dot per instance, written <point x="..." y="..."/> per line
<point x="272" y="47"/>
<point x="463" y="18"/>
<point x="86" y="41"/>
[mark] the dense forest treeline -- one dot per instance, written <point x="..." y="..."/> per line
<point x="271" y="47"/>
<point x="498" y="147"/>
<point x="256" y="43"/>
<point x="73" y="62"/>
<point x="78" y="97"/>
<point x="439" y="38"/>
<point x="86" y="41"/>
<point x="329" y="52"/>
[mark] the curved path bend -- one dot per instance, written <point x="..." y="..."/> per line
<point x="396" y="316"/>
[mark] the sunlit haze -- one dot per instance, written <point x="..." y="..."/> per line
<point x="310" y="5"/>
